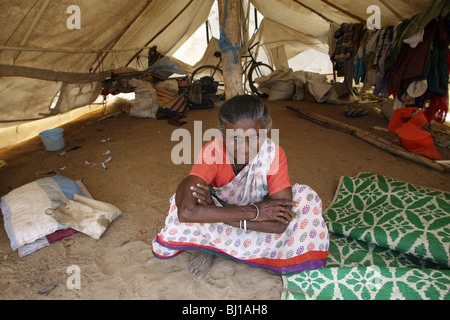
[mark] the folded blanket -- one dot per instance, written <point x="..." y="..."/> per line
<point x="26" y="224"/>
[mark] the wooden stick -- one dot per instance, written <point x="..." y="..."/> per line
<point x="371" y="138"/>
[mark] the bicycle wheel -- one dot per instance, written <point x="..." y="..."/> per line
<point x="210" y="71"/>
<point x="256" y="71"/>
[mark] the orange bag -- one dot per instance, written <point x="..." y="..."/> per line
<point x="408" y="124"/>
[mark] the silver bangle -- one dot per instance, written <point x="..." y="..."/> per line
<point x="245" y="225"/>
<point x="257" y="212"/>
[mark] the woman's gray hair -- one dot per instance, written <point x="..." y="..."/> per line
<point x="244" y="107"/>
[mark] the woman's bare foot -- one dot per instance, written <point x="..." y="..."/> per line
<point x="201" y="265"/>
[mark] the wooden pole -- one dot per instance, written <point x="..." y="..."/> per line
<point x="371" y="138"/>
<point x="346" y="12"/>
<point x="232" y="72"/>
<point x="159" y="32"/>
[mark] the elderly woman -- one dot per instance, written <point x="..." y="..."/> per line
<point x="237" y="201"/>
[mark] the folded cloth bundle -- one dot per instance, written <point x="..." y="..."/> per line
<point x="89" y="216"/>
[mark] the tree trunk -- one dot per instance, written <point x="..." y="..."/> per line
<point x="232" y="72"/>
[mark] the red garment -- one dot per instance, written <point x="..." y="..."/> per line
<point x="60" y="234"/>
<point x="448" y="61"/>
<point x="408" y="124"/>
<point x="437" y="110"/>
<point x="220" y="172"/>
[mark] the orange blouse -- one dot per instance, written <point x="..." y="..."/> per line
<point x="220" y="173"/>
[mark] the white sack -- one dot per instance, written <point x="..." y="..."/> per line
<point x="146" y="101"/>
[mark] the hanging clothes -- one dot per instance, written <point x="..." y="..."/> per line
<point x="384" y="38"/>
<point x="438" y="66"/>
<point x="438" y="74"/>
<point x="347" y="37"/>
<point x="360" y="69"/>
<point x="371" y="73"/>
<point x="361" y="57"/>
<point x="412" y="63"/>
<point x="381" y="84"/>
<point x="435" y="9"/>
<point x="415" y="39"/>
<point x="331" y="39"/>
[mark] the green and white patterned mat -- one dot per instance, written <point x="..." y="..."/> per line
<point x="388" y="240"/>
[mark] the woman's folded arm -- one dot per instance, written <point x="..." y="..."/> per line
<point x="189" y="210"/>
<point x="274" y="214"/>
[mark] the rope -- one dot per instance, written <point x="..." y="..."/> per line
<point x="224" y="43"/>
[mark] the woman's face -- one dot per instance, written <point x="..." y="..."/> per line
<point x="243" y="139"/>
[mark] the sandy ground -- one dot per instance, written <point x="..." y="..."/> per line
<point x="140" y="180"/>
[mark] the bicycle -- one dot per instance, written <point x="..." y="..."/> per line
<point x="255" y="69"/>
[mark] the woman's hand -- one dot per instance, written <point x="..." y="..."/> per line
<point x="276" y="210"/>
<point x="270" y="210"/>
<point x="201" y="192"/>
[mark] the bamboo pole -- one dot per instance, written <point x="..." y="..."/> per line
<point x="315" y="11"/>
<point x="64" y="50"/>
<point x="160" y="32"/>
<point x="346" y="12"/>
<point x="112" y="43"/>
<point x="371" y="138"/>
<point x="391" y="8"/>
<point x="33" y="26"/>
<point x="232" y="72"/>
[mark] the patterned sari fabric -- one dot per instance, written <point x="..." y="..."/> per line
<point x="304" y="244"/>
<point x="388" y="240"/>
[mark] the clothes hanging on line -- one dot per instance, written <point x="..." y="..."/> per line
<point x="412" y="63"/>
<point x="363" y="55"/>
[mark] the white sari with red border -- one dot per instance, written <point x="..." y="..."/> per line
<point x="304" y="244"/>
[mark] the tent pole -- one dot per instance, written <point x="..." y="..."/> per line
<point x="232" y="72"/>
<point x="348" y="13"/>
<point x="315" y="11"/>
<point x="159" y="32"/>
<point x="20" y="23"/>
<point x="392" y="9"/>
<point x="33" y="26"/>
<point x="114" y="41"/>
<point x="207" y="31"/>
<point x="62" y="50"/>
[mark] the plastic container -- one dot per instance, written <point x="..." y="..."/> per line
<point x="53" y="139"/>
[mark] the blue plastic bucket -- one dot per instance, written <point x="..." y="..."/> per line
<point x="53" y="139"/>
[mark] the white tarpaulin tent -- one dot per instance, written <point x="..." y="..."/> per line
<point x="47" y="47"/>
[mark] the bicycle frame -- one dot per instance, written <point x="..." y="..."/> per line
<point x="250" y="69"/>
<point x="252" y="59"/>
<point x="250" y="55"/>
